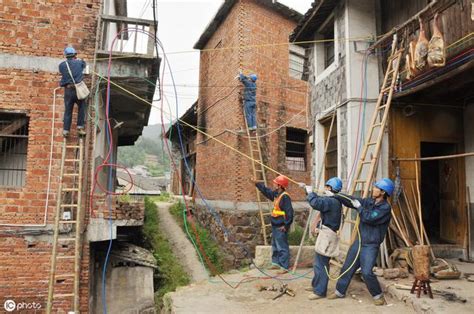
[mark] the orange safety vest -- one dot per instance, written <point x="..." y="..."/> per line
<point x="277" y="212"/>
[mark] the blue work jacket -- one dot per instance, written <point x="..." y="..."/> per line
<point x="330" y="209"/>
<point x="285" y="205"/>
<point x="250" y="89"/>
<point x="77" y="67"/>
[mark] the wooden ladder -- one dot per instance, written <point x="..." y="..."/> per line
<point x="68" y="215"/>
<point x="367" y="164"/>
<point x="264" y="206"/>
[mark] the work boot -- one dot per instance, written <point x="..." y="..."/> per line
<point x="314" y="296"/>
<point x="81" y="131"/>
<point x="333" y="296"/>
<point x="282" y="271"/>
<point x="65" y="133"/>
<point x="274" y="266"/>
<point x="380" y="301"/>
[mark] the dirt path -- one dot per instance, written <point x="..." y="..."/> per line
<point x="182" y="248"/>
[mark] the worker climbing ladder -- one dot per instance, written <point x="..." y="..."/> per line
<point x="367" y="164"/>
<point x="67" y="220"/>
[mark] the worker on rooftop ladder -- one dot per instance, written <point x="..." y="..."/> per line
<point x="330" y="208"/>
<point x="375" y="214"/>
<point x="72" y="73"/>
<point x="250" y="105"/>
<point x="281" y="220"/>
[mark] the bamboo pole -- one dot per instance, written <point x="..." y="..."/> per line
<point x="318" y="182"/>
<point x="436" y="157"/>
<point x="412" y="215"/>
<point x="419" y="201"/>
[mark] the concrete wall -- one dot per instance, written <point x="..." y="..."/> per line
<point x="129" y="290"/>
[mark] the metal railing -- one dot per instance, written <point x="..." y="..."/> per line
<point x="130" y="42"/>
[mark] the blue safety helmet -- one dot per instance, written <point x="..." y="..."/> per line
<point x="385" y="185"/>
<point x="253" y="77"/>
<point x="335" y="184"/>
<point x="69" y="51"/>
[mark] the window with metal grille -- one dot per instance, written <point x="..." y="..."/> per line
<point x="13" y="148"/>
<point x="297" y="62"/>
<point x="296" y="149"/>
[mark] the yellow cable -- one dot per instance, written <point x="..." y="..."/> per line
<point x="197" y="129"/>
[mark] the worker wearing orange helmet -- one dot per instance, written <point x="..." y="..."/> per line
<point x="281" y="219"/>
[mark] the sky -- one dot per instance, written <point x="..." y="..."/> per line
<point x="180" y="23"/>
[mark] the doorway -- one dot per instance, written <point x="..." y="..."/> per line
<point x="440" y="193"/>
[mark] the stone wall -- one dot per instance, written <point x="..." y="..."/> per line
<point x="244" y="231"/>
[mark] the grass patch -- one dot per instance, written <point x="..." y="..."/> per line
<point x="209" y="245"/>
<point x="295" y="236"/>
<point x="164" y="197"/>
<point x="170" y="274"/>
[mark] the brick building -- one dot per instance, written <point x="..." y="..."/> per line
<point x="345" y="77"/>
<point x="33" y="35"/>
<point x="242" y="35"/>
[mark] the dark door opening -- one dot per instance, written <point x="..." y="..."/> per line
<point x="439" y="192"/>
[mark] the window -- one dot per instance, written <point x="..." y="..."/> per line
<point x="329" y="45"/>
<point x="330" y="164"/>
<point x="296" y="149"/>
<point x="13" y="148"/>
<point x="297" y="61"/>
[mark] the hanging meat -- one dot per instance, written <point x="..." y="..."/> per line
<point x="421" y="49"/>
<point x="410" y="60"/>
<point x="436" y="47"/>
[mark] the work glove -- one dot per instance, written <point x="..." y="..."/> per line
<point x="308" y="189"/>
<point x="356" y="204"/>
<point x="328" y="193"/>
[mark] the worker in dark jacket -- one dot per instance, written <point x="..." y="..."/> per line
<point x="330" y="209"/>
<point x="281" y="219"/>
<point x="250" y="104"/>
<point x="76" y="66"/>
<point x="374" y="214"/>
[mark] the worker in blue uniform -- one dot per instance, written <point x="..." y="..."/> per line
<point x="330" y="209"/>
<point x="375" y="215"/>
<point x="250" y="95"/>
<point x="281" y="220"/>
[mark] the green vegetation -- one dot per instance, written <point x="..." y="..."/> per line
<point x="148" y="151"/>
<point x="170" y="273"/>
<point x="209" y="245"/>
<point x="164" y="197"/>
<point x="295" y="236"/>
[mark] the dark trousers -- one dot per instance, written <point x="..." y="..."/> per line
<point x="366" y="261"/>
<point x="320" y="279"/>
<point x="251" y="114"/>
<point x="70" y="99"/>
<point x="280" y="248"/>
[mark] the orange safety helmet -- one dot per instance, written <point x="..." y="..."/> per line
<point x="282" y="181"/>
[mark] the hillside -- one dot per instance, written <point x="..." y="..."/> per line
<point x="148" y="151"/>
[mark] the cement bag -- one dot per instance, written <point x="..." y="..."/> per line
<point x="81" y="90"/>
<point x="436" y="47"/>
<point x="421" y="49"/>
<point x="327" y="243"/>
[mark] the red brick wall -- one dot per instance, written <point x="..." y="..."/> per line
<point x="38" y="29"/>
<point x="221" y="173"/>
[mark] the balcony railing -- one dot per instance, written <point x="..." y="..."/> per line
<point x="133" y="39"/>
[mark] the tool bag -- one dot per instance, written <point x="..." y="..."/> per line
<point x="327" y="243"/>
<point x="81" y="88"/>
